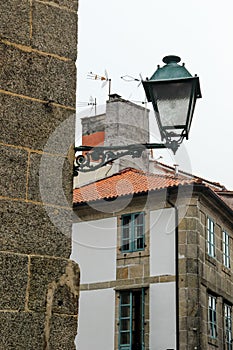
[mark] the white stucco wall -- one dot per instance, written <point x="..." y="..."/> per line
<point x="94" y="249"/>
<point x="162" y="316"/>
<point x="162" y="242"/>
<point x="96" y="320"/>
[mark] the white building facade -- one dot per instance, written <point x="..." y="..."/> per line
<point x="127" y="265"/>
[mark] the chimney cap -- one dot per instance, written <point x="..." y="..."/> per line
<point x="114" y="97"/>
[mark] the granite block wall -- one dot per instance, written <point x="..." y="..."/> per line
<point x="39" y="285"/>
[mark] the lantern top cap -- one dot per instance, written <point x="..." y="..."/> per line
<point x="171" y="70"/>
<point x="171" y="59"/>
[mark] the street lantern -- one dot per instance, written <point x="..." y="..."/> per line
<point x="173" y="92"/>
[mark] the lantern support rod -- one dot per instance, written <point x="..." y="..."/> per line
<point x="94" y="158"/>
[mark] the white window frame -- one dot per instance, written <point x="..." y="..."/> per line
<point x="212" y="316"/>
<point x="228" y="326"/>
<point x="210" y="238"/>
<point x="226" y="248"/>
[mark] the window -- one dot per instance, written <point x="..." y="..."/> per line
<point x="210" y="238"/>
<point x="226" y="249"/>
<point x="227" y="327"/>
<point x="212" y="319"/>
<point x="131" y="325"/>
<point x="132" y="237"/>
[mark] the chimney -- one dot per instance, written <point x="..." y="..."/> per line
<point x="123" y="123"/>
<point x="93" y="130"/>
<point x="127" y="123"/>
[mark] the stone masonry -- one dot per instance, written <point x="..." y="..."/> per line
<point x="39" y="285"/>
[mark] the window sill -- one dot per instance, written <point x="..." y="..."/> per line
<point x="211" y="260"/>
<point x="213" y="341"/>
<point x="136" y="254"/>
<point x="226" y="270"/>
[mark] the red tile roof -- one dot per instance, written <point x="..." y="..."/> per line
<point x="127" y="182"/>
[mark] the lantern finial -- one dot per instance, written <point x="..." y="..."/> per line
<point x="171" y="59"/>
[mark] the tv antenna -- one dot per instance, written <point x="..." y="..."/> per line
<point x="92" y="102"/>
<point x="103" y="78"/>
<point x="129" y="78"/>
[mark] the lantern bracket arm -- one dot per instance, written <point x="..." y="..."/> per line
<point x="93" y="158"/>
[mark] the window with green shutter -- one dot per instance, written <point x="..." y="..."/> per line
<point x="131" y="320"/>
<point x="132" y="232"/>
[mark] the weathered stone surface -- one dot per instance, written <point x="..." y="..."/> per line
<point x="62" y="330"/>
<point x="34" y="84"/>
<point x="33" y="229"/>
<point x="31" y="124"/>
<point x="192" y="211"/>
<point x="188" y="224"/>
<point x="21" y="331"/>
<point x="54" y="284"/>
<point x="69" y="4"/>
<point x="13" y="281"/>
<point x="136" y="271"/>
<point x="49" y="180"/>
<point x="43" y="77"/>
<point x="122" y="273"/>
<point x="13" y="170"/>
<point x="64" y="301"/>
<point x="192" y="266"/>
<point x="14" y="24"/>
<point x="52" y="30"/>
<point x="192" y="237"/>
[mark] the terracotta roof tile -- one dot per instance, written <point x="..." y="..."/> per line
<point x="127" y="182"/>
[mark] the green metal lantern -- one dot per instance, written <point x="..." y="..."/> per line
<point x="173" y="92"/>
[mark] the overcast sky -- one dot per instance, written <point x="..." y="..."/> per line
<point x="128" y="37"/>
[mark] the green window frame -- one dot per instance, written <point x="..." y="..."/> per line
<point x="131" y="320"/>
<point x="210" y="238"/>
<point x="133" y="232"/>
<point x="212" y="316"/>
<point x="226" y="249"/>
<point x="228" y="326"/>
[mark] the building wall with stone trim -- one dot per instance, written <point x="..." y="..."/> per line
<point x="199" y="274"/>
<point x="39" y="285"/>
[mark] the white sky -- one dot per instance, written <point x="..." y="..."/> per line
<point x="132" y="37"/>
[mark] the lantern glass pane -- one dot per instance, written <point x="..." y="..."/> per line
<point x="173" y="103"/>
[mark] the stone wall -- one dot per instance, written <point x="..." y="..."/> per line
<point x="201" y="274"/>
<point x="39" y="285"/>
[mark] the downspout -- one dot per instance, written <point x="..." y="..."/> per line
<point x="176" y="269"/>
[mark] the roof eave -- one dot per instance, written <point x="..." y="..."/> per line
<point x="201" y="188"/>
